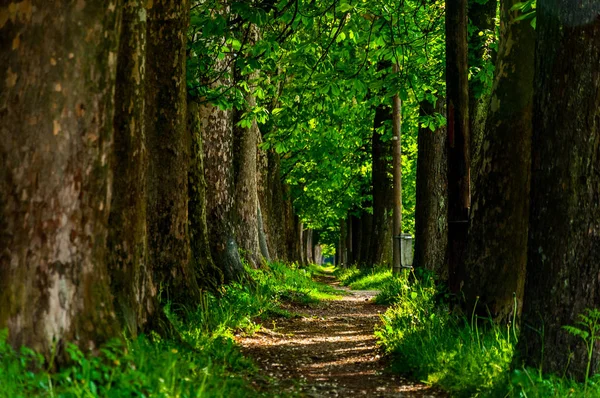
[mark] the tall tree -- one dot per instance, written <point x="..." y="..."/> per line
<point x="482" y="16"/>
<point x="431" y="212"/>
<point x="209" y="275"/>
<point x="382" y="190"/>
<point x="131" y="281"/>
<point x="496" y="255"/>
<point x="396" y="180"/>
<point x="457" y="92"/>
<point x="57" y="86"/>
<point x="564" y="233"/>
<point x="169" y="144"/>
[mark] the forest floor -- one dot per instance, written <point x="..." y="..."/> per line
<point x="328" y="350"/>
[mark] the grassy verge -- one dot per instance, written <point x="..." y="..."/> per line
<point x="208" y="364"/>
<point x="463" y="354"/>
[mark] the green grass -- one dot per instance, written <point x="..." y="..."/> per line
<point x="464" y="355"/>
<point x="206" y="364"/>
<point x="376" y="278"/>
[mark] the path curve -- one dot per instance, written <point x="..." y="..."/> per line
<point x="329" y="351"/>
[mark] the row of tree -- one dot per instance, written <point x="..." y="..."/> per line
<point x="120" y="191"/>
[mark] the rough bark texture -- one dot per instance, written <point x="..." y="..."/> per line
<point x="431" y="213"/>
<point x="275" y="213"/>
<point x="457" y="92"/>
<point x="217" y="136"/>
<point x="131" y="281"/>
<point x="208" y="274"/>
<point x="496" y="255"/>
<point x="169" y="151"/>
<point x="564" y="232"/>
<point x="367" y="226"/>
<point x="246" y="189"/>
<point x="382" y="192"/>
<point x="57" y="83"/>
<point x="482" y="16"/>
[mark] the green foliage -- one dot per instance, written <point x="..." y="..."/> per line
<point x="206" y="363"/>
<point x="466" y="356"/>
<point x="588" y="329"/>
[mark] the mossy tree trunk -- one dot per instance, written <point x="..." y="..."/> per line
<point x="482" y="17"/>
<point x="431" y="223"/>
<point x="564" y="231"/>
<point x="209" y="275"/>
<point x="57" y="84"/>
<point x="496" y="257"/>
<point x="131" y="280"/>
<point x="169" y="144"/>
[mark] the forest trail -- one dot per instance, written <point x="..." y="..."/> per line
<point x="329" y="350"/>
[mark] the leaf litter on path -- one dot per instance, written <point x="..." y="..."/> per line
<point x="329" y="351"/>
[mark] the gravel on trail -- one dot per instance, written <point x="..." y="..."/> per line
<point x="329" y="351"/>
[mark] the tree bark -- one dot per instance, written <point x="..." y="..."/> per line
<point x="564" y="232"/>
<point x="131" y="280"/>
<point x="496" y="256"/>
<point x="169" y="144"/>
<point x="349" y="240"/>
<point x="343" y="249"/>
<point x="431" y="222"/>
<point x="482" y="16"/>
<point x="209" y="275"/>
<point x="57" y="84"/>
<point x="457" y="92"/>
<point x="382" y="192"/>
<point x="397" y="180"/>
<point x="246" y="188"/>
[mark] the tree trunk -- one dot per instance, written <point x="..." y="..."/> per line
<point x="209" y="275"/>
<point x="397" y="180"/>
<point x="169" y="144"/>
<point x="343" y="249"/>
<point x="246" y="188"/>
<point x="382" y="191"/>
<point x="349" y="240"/>
<point x="367" y="227"/>
<point x="457" y="92"/>
<point x="431" y="213"/>
<point x="57" y="85"/>
<point x="497" y="245"/>
<point x="131" y="281"/>
<point x="356" y="238"/>
<point x="564" y="233"/>
<point x="482" y="17"/>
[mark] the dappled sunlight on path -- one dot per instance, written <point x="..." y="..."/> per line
<point x="329" y="351"/>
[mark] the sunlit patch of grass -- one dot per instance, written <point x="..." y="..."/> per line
<point x="376" y="278"/>
<point x="466" y="356"/>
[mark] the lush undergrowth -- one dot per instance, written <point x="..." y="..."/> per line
<point x="465" y="355"/>
<point x="204" y="362"/>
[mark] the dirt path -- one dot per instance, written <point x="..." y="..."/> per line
<point x="330" y="351"/>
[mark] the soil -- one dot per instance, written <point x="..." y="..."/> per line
<point x="329" y="351"/>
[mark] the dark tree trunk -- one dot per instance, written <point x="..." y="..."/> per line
<point x="356" y="238"/>
<point x="57" y="84"/>
<point x="208" y="274"/>
<point x="397" y="180"/>
<point x="168" y="142"/>
<point x="131" y="280"/>
<point x="382" y="191"/>
<point x="367" y="226"/>
<point x="564" y="232"/>
<point x="349" y="240"/>
<point x="343" y="249"/>
<point x="496" y="255"/>
<point x="275" y="215"/>
<point x="457" y="92"/>
<point x="431" y="213"/>
<point x="482" y="16"/>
